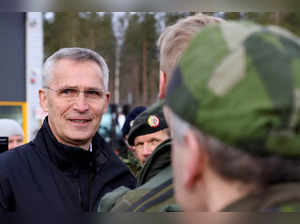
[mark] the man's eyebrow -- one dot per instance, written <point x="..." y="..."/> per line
<point x="94" y="88"/>
<point x="155" y="138"/>
<point x="67" y="86"/>
<point x="76" y="87"/>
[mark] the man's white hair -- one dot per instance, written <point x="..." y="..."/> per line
<point x="76" y="54"/>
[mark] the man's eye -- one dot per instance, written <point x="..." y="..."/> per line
<point x="93" y="93"/>
<point x="68" y="92"/>
<point x="138" y="145"/>
<point x="153" y="141"/>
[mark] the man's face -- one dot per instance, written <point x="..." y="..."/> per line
<point x="15" y="141"/>
<point x="181" y="161"/>
<point x="74" y="118"/>
<point x="144" y="145"/>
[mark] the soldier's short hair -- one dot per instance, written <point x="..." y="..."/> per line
<point x="176" y="37"/>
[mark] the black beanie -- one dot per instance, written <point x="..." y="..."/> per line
<point x="150" y="121"/>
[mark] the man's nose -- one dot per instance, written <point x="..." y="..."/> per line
<point x="80" y="103"/>
<point x="147" y="149"/>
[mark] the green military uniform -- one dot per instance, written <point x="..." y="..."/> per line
<point x="276" y="198"/>
<point x="131" y="162"/>
<point x="241" y="83"/>
<point x="154" y="192"/>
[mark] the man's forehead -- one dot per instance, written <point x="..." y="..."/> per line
<point x="71" y="64"/>
<point x="66" y="61"/>
<point x="157" y="134"/>
<point x="70" y="73"/>
<point x="90" y="87"/>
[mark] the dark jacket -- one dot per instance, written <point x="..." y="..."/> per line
<point x="154" y="192"/>
<point x="47" y="175"/>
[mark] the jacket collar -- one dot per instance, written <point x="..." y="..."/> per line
<point x="160" y="159"/>
<point x="66" y="157"/>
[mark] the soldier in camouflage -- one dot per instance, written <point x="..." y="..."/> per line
<point x="154" y="192"/>
<point x="155" y="181"/>
<point x="237" y="147"/>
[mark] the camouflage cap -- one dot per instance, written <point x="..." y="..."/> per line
<point x="150" y="121"/>
<point x="241" y="84"/>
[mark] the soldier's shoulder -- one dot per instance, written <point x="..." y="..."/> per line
<point x="157" y="195"/>
<point x="109" y="200"/>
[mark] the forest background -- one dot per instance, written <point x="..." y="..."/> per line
<point x="128" y="43"/>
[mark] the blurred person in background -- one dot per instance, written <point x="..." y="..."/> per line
<point x="68" y="167"/>
<point x="13" y="130"/>
<point x="237" y="147"/>
<point x="110" y="129"/>
<point x="130" y="119"/>
<point x="155" y="182"/>
<point x="121" y="117"/>
<point x="130" y="160"/>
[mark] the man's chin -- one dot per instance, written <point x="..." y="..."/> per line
<point x="79" y="141"/>
<point x="80" y="135"/>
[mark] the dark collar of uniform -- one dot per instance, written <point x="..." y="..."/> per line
<point x="160" y="159"/>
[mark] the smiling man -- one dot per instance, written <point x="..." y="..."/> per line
<point x="68" y="166"/>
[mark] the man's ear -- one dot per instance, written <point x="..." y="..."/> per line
<point x="107" y="101"/>
<point x="163" y="82"/>
<point x="43" y="100"/>
<point x="196" y="161"/>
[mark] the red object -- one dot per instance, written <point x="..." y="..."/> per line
<point x="32" y="80"/>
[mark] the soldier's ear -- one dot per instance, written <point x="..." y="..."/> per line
<point x="43" y="100"/>
<point x="195" y="166"/>
<point x="163" y="82"/>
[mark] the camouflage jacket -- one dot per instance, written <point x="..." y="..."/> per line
<point x="277" y="198"/>
<point x="154" y="192"/>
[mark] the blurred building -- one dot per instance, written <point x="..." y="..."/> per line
<point x="21" y="58"/>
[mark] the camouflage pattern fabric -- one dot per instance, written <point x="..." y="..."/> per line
<point x="131" y="162"/>
<point x="241" y="84"/>
<point x="276" y="198"/>
<point x="155" y="191"/>
<point x="157" y="195"/>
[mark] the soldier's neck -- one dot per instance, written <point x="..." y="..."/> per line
<point x="221" y="192"/>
